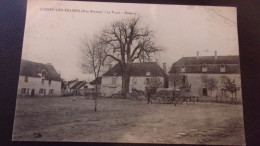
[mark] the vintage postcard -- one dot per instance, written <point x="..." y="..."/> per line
<point x="129" y="73"/>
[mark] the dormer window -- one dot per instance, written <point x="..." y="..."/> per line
<point x="183" y="69"/>
<point x="222" y="68"/>
<point x="148" y="73"/>
<point x="43" y="74"/>
<point x="204" y="69"/>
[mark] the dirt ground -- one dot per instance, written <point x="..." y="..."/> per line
<point x="121" y="120"/>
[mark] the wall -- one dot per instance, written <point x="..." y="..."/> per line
<point x="35" y="83"/>
<point x="107" y="89"/>
<point x="195" y="79"/>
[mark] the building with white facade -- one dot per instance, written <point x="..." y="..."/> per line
<point x="140" y="75"/>
<point x="38" y="79"/>
<point x="195" y="70"/>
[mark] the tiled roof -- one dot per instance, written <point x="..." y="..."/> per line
<point x="138" y="69"/>
<point x="78" y="85"/>
<point x="33" y="69"/>
<point x="194" y="65"/>
<point x="208" y="60"/>
<point x="96" y="81"/>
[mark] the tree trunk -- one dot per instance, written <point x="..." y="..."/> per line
<point x="125" y="83"/>
<point x="96" y="98"/>
<point x="211" y="96"/>
<point x="125" y="80"/>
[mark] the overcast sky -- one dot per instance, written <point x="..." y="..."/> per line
<point x="54" y="36"/>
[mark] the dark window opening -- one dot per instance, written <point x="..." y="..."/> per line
<point x="51" y="91"/>
<point x="26" y="79"/>
<point x="205" y="92"/>
<point x="23" y="91"/>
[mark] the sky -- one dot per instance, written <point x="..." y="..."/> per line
<point x="53" y="36"/>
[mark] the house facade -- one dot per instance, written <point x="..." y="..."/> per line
<point x="92" y="85"/>
<point x="78" y="88"/>
<point x="197" y="70"/>
<point x="140" y="76"/>
<point x="38" y="79"/>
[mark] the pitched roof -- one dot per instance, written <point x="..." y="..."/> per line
<point x="96" y="81"/>
<point x="207" y="60"/>
<point x="78" y="85"/>
<point x="194" y="64"/>
<point x="138" y="69"/>
<point x="33" y="69"/>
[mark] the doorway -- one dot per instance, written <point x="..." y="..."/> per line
<point x="204" y="91"/>
<point x="32" y="93"/>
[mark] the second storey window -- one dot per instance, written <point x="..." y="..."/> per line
<point x="49" y="82"/>
<point x="113" y="81"/>
<point x="42" y="81"/>
<point x="26" y="79"/>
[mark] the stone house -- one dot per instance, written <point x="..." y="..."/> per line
<point x="78" y="88"/>
<point x="140" y="75"/>
<point x="38" y="79"/>
<point x="196" y="70"/>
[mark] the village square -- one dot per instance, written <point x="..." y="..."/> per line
<point x="123" y="80"/>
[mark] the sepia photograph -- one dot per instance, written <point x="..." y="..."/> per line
<point x="129" y="73"/>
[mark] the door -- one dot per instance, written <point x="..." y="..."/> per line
<point x="205" y="92"/>
<point x="32" y="92"/>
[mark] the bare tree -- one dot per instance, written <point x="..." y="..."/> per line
<point x="92" y="59"/>
<point x="127" y="41"/>
<point x="151" y="85"/>
<point x="175" y="76"/>
<point x="211" y="84"/>
<point x="230" y="85"/>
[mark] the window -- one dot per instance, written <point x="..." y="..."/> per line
<point x="134" y="80"/>
<point x="114" y="81"/>
<point x="26" y="79"/>
<point x="148" y="73"/>
<point x="49" y="82"/>
<point x="223" y="79"/>
<point x="222" y="68"/>
<point x="204" y="69"/>
<point x="42" y="91"/>
<point x="42" y="81"/>
<point x="147" y="81"/>
<point x="183" y="69"/>
<point x="27" y="92"/>
<point x="204" y="79"/>
<point x="43" y="74"/>
<point x="23" y="91"/>
<point x="51" y="92"/>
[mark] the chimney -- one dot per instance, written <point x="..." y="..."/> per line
<point x="198" y="55"/>
<point x="164" y="67"/>
<point x="216" y="57"/>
